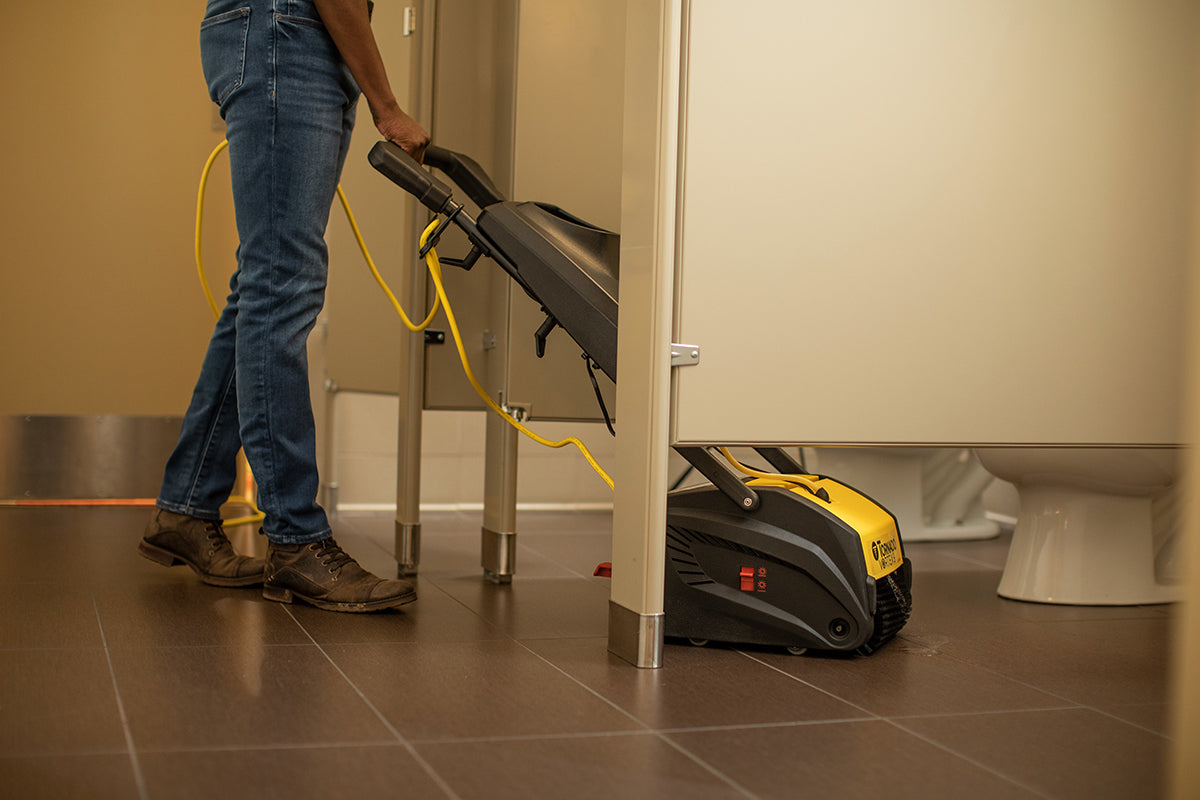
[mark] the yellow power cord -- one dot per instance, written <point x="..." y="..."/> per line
<point x="783" y="481"/>
<point x="435" y="271"/>
<point x="200" y="224"/>
<point x="440" y="300"/>
<point x="362" y="245"/>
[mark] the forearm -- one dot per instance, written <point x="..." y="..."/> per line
<point x="350" y="29"/>
<point x="349" y="26"/>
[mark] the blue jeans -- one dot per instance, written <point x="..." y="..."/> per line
<point x="288" y="102"/>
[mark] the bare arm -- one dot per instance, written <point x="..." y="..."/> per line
<point x="350" y="28"/>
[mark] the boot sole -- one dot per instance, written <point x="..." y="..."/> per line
<point x="168" y="559"/>
<point x="280" y="594"/>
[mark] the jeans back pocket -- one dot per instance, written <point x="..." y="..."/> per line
<point x="223" y="52"/>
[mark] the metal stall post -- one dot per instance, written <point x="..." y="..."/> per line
<point x="652" y="76"/>
<point x="408" y="478"/>
<point x="412" y="295"/>
<point x="498" y="544"/>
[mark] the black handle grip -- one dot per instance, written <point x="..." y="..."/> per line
<point x="403" y="170"/>
<point x="466" y="174"/>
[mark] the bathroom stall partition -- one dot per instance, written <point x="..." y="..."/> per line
<point x="914" y="223"/>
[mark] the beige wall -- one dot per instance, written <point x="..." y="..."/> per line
<point x="107" y="127"/>
<point x="1184" y="768"/>
<point x="364" y="332"/>
<point x="452" y="459"/>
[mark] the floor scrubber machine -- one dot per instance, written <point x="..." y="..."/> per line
<point x="753" y="558"/>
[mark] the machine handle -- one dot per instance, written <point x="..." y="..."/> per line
<point x="466" y="175"/>
<point x="403" y="170"/>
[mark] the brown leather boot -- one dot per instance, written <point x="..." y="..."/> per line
<point x="172" y="539"/>
<point x="324" y="575"/>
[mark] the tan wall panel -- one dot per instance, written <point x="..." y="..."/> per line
<point x="944" y="223"/>
<point x="570" y="95"/>
<point x="473" y="114"/>
<point x="364" y="332"/>
<point x="107" y="127"/>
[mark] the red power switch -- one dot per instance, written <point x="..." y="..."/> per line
<point x="747" y="576"/>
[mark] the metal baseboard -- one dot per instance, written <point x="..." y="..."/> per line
<point x="84" y="457"/>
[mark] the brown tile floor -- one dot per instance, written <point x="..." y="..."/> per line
<point x="119" y="678"/>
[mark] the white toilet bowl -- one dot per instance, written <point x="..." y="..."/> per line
<point x="1086" y="532"/>
<point x="936" y="494"/>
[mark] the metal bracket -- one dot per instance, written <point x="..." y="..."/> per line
<point x="722" y="475"/>
<point x="435" y="337"/>
<point x="518" y="411"/>
<point x="684" y="355"/>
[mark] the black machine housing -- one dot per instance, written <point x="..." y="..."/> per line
<point x="788" y="574"/>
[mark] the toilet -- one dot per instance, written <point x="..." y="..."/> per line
<point x="936" y="494"/>
<point x="1096" y="525"/>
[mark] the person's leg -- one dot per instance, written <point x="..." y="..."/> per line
<point x="185" y="527"/>
<point x="287" y="143"/>
<point x="201" y="471"/>
<point x="287" y="148"/>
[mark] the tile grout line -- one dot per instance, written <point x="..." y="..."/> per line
<point x="956" y="754"/>
<point x="138" y="777"/>
<point x="695" y="758"/>
<point x="1072" y="703"/>
<point x="534" y="737"/>
<point x="898" y="726"/>
<point x="825" y="692"/>
<point x="271" y="746"/>
<point x="86" y="752"/>
<point x="1112" y="716"/>
<point x="647" y="730"/>
<point x="553" y="561"/>
<point x="412" y="751"/>
<point x="986" y="712"/>
<point x="663" y="737"/>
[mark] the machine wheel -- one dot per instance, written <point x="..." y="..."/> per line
<point x="698" y="642"/>
<point x="797" y="650"/>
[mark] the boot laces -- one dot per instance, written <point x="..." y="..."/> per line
<point x="217" y="540"/>
<point x="331" y="554"/>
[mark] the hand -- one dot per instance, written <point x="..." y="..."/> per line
<point x="398" y="127"/>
